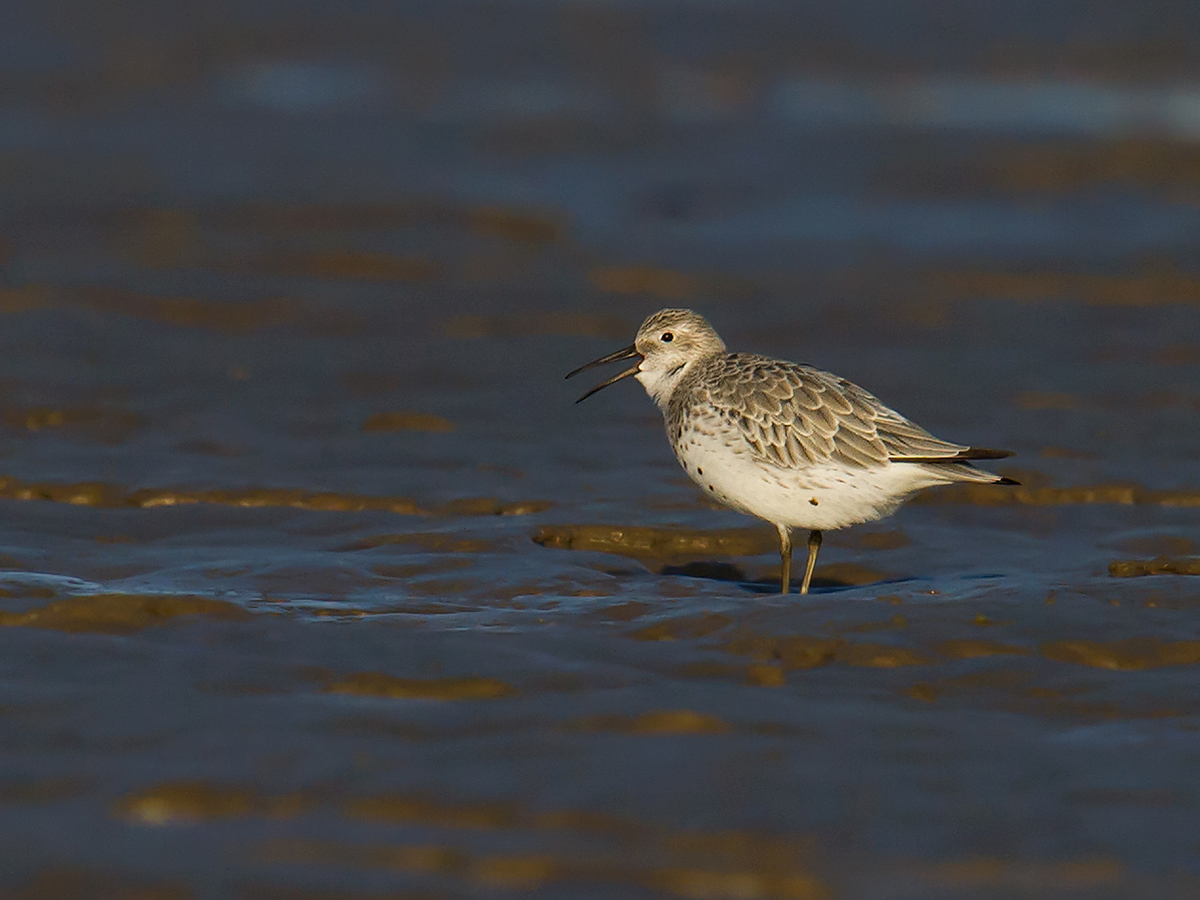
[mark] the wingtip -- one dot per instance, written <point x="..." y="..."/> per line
<point x="1006" y="481"/>
<point x="971" y="454"/>
<point x="986" y="453"/>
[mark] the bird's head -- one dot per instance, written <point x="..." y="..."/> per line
<point x="666" y="344"/>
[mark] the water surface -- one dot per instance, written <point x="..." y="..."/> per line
<point x="315" y="582"/>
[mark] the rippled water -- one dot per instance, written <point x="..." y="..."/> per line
<point x="315" y="582"/>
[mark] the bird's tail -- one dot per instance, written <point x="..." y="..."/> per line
<point x="966" y="472"/>
<point x="959" y="468"/>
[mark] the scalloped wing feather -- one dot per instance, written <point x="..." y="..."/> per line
<point x="794" y="416"/>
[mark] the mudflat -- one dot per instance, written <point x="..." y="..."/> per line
<point x="315" y="582"/>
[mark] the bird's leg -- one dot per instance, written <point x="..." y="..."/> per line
<point x="814" y="544"/>
<point x="785" y="557"/>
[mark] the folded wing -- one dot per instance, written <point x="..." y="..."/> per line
<point x="794" y="416"/>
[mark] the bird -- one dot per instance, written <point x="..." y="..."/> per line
<point x="791" y="444"/>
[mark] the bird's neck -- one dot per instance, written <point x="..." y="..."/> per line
<point x="660" y="383"/>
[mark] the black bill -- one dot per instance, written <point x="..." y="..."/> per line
<point x="629" y="352"/>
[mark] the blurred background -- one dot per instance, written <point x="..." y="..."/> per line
<point x="288" y="469"/>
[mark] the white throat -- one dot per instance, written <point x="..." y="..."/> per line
<point x="660" y="380"/>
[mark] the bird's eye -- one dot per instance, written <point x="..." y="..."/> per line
<point x="667" y="337"/>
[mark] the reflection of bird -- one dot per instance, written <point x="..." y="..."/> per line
<point x="793" y="445"/>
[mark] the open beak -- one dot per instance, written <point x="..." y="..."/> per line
<point x="629" y="352"/>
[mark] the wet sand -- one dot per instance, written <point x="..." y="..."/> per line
<point x="314" y="581"/>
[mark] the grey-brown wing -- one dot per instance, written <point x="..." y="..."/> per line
<point x="794" y="416"/>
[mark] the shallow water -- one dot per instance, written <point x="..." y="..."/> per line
<point x="315" y="582"/>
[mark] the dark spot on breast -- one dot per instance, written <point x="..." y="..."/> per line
<point x="710" y="487"/>
<point x="813" y="501"/>
<point x="699" y="471"/>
